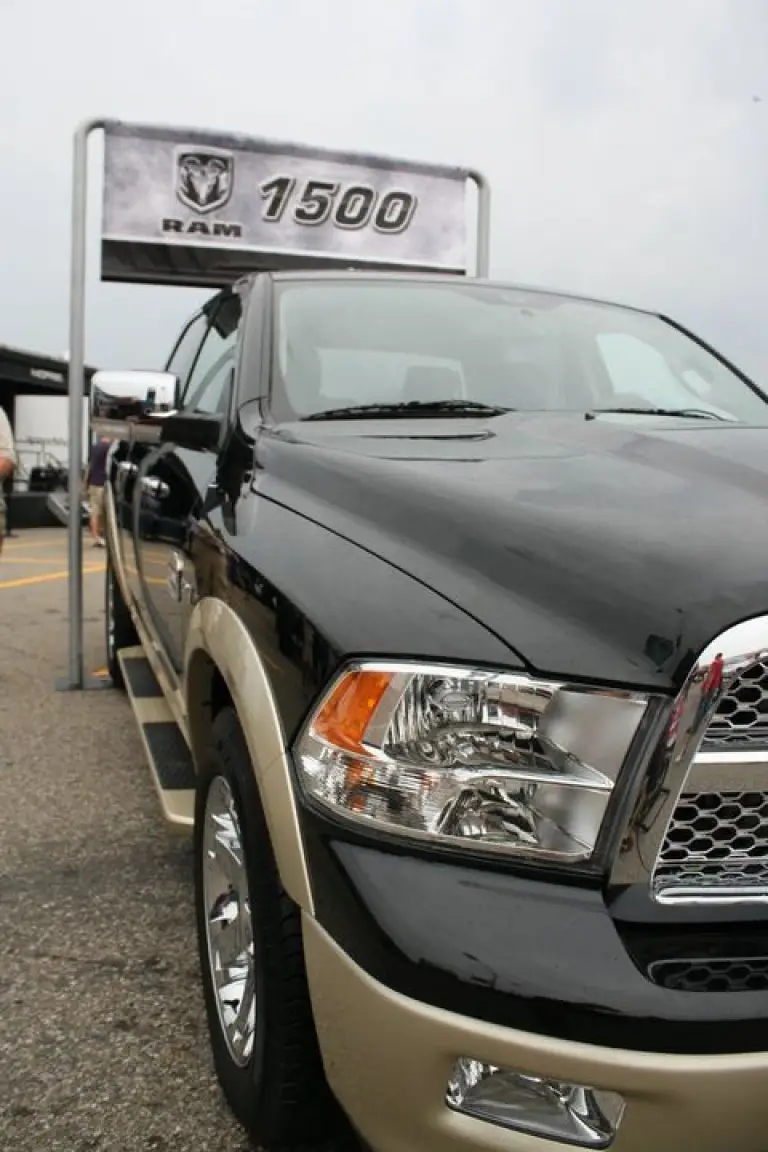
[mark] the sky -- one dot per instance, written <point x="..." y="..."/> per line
<point x="625" y="142"/>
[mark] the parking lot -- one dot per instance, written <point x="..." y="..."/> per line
<point x="102" y="1034"/>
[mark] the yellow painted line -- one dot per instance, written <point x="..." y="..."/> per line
<point x="33" y="557"/>
<point x="100" y="673"/>
<point x="160" y="581"/>
<point x="22" y="546"/>
<point x="29" y="559"/>
<point x="44" y="577"/>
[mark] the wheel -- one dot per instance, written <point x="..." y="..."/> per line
<point x="120" y="629"/>
<point x="262" y="1032"/>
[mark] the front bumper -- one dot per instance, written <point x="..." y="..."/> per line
<point x="388" y="1059"/>
<point x="541" y="957"/>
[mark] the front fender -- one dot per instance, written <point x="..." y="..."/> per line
<point x="218" y="639"/>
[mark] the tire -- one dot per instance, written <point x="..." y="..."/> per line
<point x="119" y="627"/>
<point x="274" y="1080"/>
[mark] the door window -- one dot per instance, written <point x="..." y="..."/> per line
<point x="187" y="348"/>
<point x="210" y="384"/>
<point x="215" y="389"/>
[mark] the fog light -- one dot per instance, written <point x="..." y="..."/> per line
<point x="571" y="1113"/>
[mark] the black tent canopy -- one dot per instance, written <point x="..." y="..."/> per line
<point x="25" y="373"/>
<point x="32" y="373"/>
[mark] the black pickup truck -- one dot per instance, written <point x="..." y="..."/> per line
<point x="442" y="606"/>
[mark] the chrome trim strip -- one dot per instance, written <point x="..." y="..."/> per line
<point x="678" y="760"/>
<point x="655" y="965"/>
<point x="712" y="896"/>
<point x="750" y="756"/>
<point x="729" y="772"/>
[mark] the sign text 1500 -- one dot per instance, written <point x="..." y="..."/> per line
<point x="348" y="206"/>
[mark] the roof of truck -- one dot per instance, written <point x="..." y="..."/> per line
<point x="447" y="278"/>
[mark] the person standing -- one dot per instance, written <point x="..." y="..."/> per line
<point x="8" y="463"/>
<point x="95" y="478"/>
<point x="7" y="488"/>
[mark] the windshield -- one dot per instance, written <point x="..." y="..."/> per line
<point x="367" y="342"/>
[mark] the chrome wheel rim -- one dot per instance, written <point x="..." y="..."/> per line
<point x="110" y="613"/>
<point x="228" y="925"/>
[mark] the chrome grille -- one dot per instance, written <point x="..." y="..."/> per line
<point x="742" y="713"/>
<point x="702" y="817"/>
<point x="715" y="841"/>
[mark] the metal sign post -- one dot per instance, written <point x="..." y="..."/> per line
<point x="75" y="678"/>
<point x="483" y="253"/>
<point x="199" y="208"/>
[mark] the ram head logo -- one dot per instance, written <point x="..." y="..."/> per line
<point x="204" y="179"/>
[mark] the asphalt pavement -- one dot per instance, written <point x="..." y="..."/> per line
<point x="102" y="1033"/>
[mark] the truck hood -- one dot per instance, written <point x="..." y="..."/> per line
<point x="608" y="549"/>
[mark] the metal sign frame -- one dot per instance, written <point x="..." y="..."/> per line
<point x="76" y="679"/>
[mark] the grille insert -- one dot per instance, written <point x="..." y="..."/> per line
<point x="715" y="841"/>
<point x="747" y="974"/>
<point x="742" y="714"/>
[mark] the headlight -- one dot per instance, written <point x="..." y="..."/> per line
<point x="456" y="755"/>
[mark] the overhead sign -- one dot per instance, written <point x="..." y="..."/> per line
<point x="200" y="208"/>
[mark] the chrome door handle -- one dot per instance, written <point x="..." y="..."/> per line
<point x="155" y="487"/>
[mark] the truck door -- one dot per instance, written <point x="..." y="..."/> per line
<point x="133" y="468"/>
<point x="173" y="537"/>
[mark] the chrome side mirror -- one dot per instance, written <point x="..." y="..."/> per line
<point x="125" y="402"/>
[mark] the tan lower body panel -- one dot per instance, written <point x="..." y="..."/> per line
<point x="168" y="756"/>
<point x="388" y="1059"/>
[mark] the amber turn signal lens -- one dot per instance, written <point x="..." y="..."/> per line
<point x="346" y="714"/>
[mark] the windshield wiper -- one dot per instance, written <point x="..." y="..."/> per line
<point x="405" y="408"/>
<point x="693" y="413"/>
